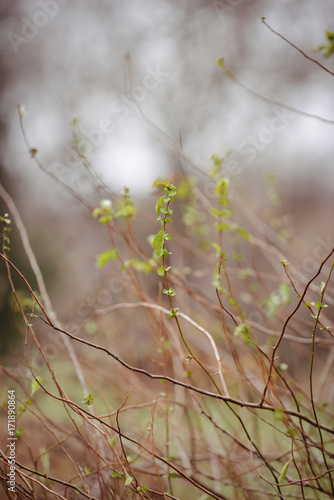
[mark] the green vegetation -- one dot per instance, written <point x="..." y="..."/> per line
<point x="207" y="378"/>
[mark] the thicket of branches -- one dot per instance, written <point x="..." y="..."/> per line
<point x="180" y="389"/>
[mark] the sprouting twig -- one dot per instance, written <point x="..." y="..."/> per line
<point x="152" y="376"/>
<point x="287" y="321"/>
<point x="297" y="48"/>
<point x="273" y="101"/>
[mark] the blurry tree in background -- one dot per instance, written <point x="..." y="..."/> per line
<point x="173" y="341"/>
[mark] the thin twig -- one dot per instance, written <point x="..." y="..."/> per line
<point x="297" y="48"/>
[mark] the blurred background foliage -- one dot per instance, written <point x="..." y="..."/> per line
<point x="134" y="90"/>
<point x="75" y="65"/>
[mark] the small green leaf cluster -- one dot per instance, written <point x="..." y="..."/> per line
<point x="129" y="480"/>
<point x="244" y="331"/>
<point x="173" y="312"/>
<point x="218" y="163"/>
<point x="5" y="219"/>
<point x="328" y="48"/>
<point x="104" y="257"/>
<point x="223" y="210"/>
<point x="319" y="305"/>
<point x="221" y="190"/>
<point x="162" y="207"/>
<point x="27" y="402"/>
<point x="164" y="215"/>
<point x="87" y="399"/>
<point x="125" y="206"/>
<point x="106" y="211"/>
<point x="139" y="265"/>
<point x="216" y="282"/>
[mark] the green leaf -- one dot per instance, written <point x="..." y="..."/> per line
<point x="161" y="270"/>
<point x="171" y="474"/>
<point x="221" y="187"/>
<point x="35" y="385"/>
<point x="138" y="265"/>
<point x="158" y="183"/>
<point x="88" y="399"/>
<point x="158" y="205"/>
<point x="243" y="233"/>
<point x="173" y="313"/>
<point x="104" y="257"/>
<point x="284" y="471"/>
<point x="217" y="164"/>
<point x="244" y="331"/>
<point x="105" y="219"/>
<point x="158" y="242"/>
<point x="128" y="480"/>
<point x="221" y="226"/>
<point x="19" y="432"/>
<point x="279" y="414"/>
<point x="127" y="211"/>
<point x="116" y="474"/>
<point x="217" y="248"/>
<point x="326" y="49"/>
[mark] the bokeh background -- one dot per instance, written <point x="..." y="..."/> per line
<point x="142" y="82"/>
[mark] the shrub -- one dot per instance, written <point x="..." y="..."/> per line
<point x="210" y="378"/>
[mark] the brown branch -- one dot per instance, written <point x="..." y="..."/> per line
<point x="297" y="48"/>
<point x="293" y="312"/>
